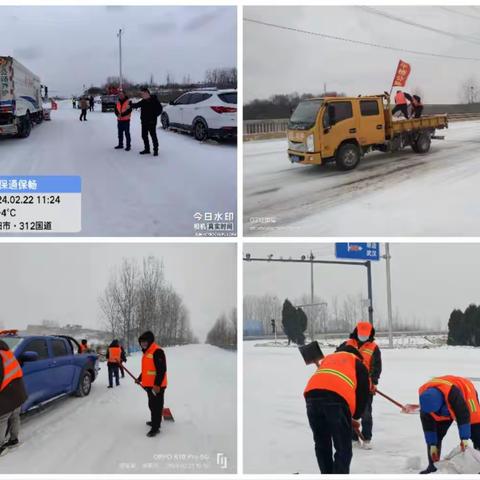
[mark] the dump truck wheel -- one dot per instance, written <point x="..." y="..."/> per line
<point x="422" y="144"/>
<point x="26" y="127"/>
<point x="347" y="157"/>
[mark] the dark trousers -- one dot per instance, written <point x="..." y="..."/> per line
<point x="417" y="111"/>
<point x="122" y="370"/>
<point x="442" y="429"/>
<point x="155" y="404"/>
<point x="150" y="129"/>
<point x="331" y="422"/>
<point x="113" y="370"/>
<point x="83" y="115"/>
<point x="91" y="107"/>
<point x="367" y="421"/>
<point x="401" y="108"/>
<point x="124" y="128"/>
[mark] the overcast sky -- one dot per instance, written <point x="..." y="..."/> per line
<point x="71" y="46"/>
<point x="279" y="61"/>
<point x="63" y="282"/>
<point x="428" y="280"/>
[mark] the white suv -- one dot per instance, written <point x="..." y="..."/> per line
<point x="206" y="113"/>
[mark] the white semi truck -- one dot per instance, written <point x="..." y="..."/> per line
<point x="20" y="99"/>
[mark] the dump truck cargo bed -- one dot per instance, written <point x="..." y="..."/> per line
<point x="396" y="127"/>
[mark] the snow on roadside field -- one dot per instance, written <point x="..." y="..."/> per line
<point x="124" y="193"/>
<point x="106" y="432"/>
<point x="277" y="438"/>
<point x="399" y="194"/>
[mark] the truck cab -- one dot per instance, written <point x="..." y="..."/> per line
<point x="343" y="129"/>
<point x="51" y="368"/>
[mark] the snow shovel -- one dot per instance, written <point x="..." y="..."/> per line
<point x="167" y="413"/>
<point x="407" y="408"/>
<point x="311" y="353"/>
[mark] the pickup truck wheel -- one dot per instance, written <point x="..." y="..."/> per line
<point x="85" y="385"/>
<point x="347" y="157"/>
<point x="422" y="144"/>
<point x="165" y="121"/>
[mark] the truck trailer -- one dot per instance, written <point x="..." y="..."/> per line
<point x="344" y="129"/>
<point x="20" y="99"/>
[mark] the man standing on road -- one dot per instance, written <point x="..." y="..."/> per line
<point x="150" y="108"/>
<point x="91" y="103"/>
<point x="84" y="108"/>
<point x="12" y="396"/>
<point x="336" y="396"/>
<point x="153" y="379"/>
<point x="363" y="339"/>
<point x="123" y="111"/>
<point x="83" y="348"/>
<point x="114" y="358"/>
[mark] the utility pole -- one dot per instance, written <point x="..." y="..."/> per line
<point x="119" y="35"/>
<point x="387" y="258"/>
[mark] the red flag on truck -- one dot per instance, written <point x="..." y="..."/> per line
<point x="401" y="75"/>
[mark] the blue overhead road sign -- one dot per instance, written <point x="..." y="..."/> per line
<point x="358" y="251"/>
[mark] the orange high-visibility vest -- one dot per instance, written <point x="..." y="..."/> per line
<point x="115" y="354"/>
<point x="367" y="350"/>
<point x="400" y="98"/>
<point x="122" y="108"/>
<point x="83" y="348"/>
<point x="445" y="384"/>
<point x="337" y="373"/>
<point x="11" y="368"/>
<point x="149" y="371"/>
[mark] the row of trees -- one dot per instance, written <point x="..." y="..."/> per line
<point x="224" y="332"/>
<point x="464" y="327"/>
<point x="138" y="298"/>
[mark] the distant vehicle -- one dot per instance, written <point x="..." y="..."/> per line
<point x="20" y="98"/>
<point x="109" y="102"/>
<point x="344" y="129"/>
<point x="205" y="113"/>
<point x="51" y="367"/>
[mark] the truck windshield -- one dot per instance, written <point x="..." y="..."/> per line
<point x="12" y="342"/>
<point x="305" y="115"/>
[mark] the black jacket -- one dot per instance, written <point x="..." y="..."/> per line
<point x="362" y="391"/>
<point x="149" y="109"/>
<point x="127" y="111"/>
<point x="13" y="396"/>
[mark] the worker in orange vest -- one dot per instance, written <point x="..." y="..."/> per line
<point x="12" y="395"/>
<point x="114" y="359"/>
<point x="336" y="396"/>
<point x="363" y="339"/>
<point x="400" y="103"/>
<point x="417" y="106"/>
<point x="83" y="348"/>
<point x="153" y="379"/>
<point x="123" y="111"/>
<point x="443" y="400"/>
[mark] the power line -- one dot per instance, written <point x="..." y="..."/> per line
<point x="360" y="42"/>
<point x="458" y="36"/>
<point x="451" y="10"/>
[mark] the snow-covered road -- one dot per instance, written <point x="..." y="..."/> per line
<point x="106" y="432"/>
<point x="124" y="193"/>
<point x="278" y="439"/>
<point x="403" y="194"/>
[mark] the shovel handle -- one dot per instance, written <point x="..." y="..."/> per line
<point x="398" y="404"/>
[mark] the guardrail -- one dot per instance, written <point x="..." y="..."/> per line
<point x="277" y="128"/>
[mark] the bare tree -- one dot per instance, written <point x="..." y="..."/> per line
<point x="470" y="91"/>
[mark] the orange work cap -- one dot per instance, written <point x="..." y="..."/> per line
<point x="364" y="329"/>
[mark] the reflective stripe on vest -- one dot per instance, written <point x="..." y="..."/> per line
<point x="367" y="350"/>
<point x="444" y="385"/>
<point x="115" y="354"/>
<point x="11" y="368"/>
<point x="400" y="98"/>
<point x="123" y="107"/>
<point x="149" y="372"/>
<point x="337" y="373"/>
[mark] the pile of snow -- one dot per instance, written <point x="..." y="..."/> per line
<point x="124" y="193"/>
<point x="278" y="438"/>
<point x="106" y="432"/>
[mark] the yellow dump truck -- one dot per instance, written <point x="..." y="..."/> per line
<point x="344" y="129"/>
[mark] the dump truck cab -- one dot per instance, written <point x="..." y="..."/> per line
<point x="343" y="129"/>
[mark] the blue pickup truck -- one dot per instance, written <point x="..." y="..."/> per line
<point x="51" y="367"/>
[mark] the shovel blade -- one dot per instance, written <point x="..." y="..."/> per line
<point x="167" y="415"/>
<point x="411" y="408"/>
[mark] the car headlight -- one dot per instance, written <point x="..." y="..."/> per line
<point x="310" y="143"/>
